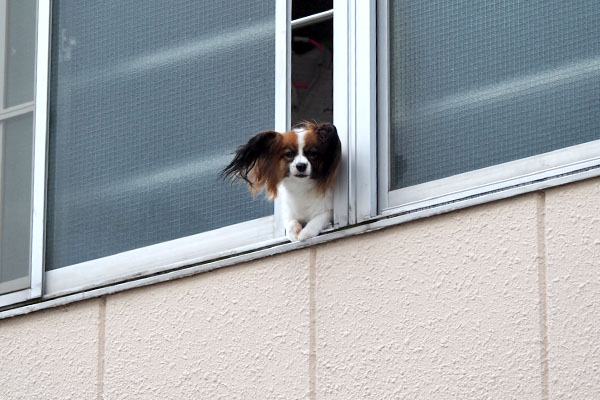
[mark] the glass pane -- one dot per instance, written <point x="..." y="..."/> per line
<point x="148" y="101"/>
<point x="475" y="84"/>
<point x="17" y="156"/>
<point x="20" y="51"/>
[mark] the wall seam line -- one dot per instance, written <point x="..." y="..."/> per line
<point x="312" y="358"/>
<point x="101" y="347"/>
<point x="543" y="292"/>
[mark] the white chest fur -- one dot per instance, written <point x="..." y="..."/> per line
<point x="303" y="205"/>
<point x="301" y="201"/>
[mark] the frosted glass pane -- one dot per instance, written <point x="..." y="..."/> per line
<point x="148" y="101"/>
<point x="20" y="51"/>
<point x="475" y="84"/>
<point x="17" y="156"/>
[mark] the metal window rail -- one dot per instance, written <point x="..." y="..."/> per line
<point x="312" y="19"/>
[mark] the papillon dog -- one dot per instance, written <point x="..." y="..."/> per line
<point x="299" y="166"/>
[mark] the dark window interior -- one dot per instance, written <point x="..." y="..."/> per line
<point x="312" y="64"/>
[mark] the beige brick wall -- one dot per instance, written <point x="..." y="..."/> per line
<point x="499" y="301"/>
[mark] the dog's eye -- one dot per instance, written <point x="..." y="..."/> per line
<point x="310" y="153"/>
<point x="289" y="154"/>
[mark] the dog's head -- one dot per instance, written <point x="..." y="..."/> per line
<point x="309" y="151"/>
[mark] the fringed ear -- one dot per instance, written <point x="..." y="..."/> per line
<point x="256" y="163"/>
<point x="331" y="153"/>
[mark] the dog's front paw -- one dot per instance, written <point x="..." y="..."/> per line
<point x="307" y="233"/>
<point x="293" y="229"/>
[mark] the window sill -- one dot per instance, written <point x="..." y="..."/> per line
<point x="282" y="245"/>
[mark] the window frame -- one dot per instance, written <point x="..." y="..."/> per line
<point x="341" y="89"/>
<point x="498" y="181"/>
<point x="340" y="13"/>
<point x="355" y="110"/>
<point x="37" y="221"/>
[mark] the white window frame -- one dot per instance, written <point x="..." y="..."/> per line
<point x="35" y="281"/>
<point x="354" y="110"/>
<point x="499" y="181"/>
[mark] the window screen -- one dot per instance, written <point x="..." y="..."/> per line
<point x="148" y="101"/>
<point x="474" y="84"/>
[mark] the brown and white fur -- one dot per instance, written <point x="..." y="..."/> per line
<point x="299" y="166"/>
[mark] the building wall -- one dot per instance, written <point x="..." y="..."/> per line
<point x="499" y="301"/>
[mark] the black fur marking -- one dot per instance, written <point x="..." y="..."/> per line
<point x="328" y="152"/>
<point x="246" y="156"/>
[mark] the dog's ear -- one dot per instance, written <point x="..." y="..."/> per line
<point x="256" y="162"/>
<point x="330" y="154"/>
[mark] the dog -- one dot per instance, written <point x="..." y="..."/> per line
<point x="300" y="167"/>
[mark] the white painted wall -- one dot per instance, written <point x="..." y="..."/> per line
<point x="499" y="301"/>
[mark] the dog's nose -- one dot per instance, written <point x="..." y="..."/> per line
<point x="301" y="167"/>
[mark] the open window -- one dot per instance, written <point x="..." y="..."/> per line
<point x="312" y="61"/>
<point x="112" y="172"/>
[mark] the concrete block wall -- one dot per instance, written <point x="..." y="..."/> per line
<point x="498" y="301"/>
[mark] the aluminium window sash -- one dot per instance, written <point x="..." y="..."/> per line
<point x="3" y="44"/>
<point x="365" y="110"/>
<point x="355" y="110"/>
<point x="40" y="115"/>
<point x="283" y="79"/>
<point x="42" y="73"/>
<point x="341" y="109"/>
<point x="179" y="253"/>
<point x="502" y="180"/>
